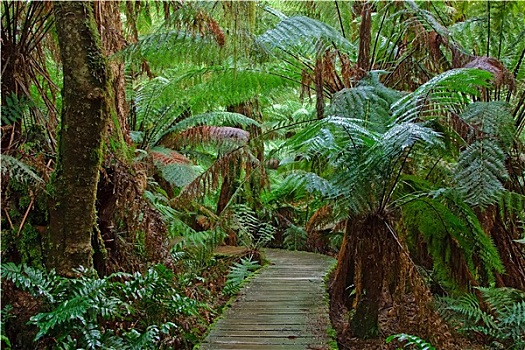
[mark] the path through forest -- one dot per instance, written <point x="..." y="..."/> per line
<point x="283" y="307"/>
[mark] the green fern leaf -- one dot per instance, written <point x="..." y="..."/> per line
<point x="303" y="35"/>
<point x="479" y="173"/>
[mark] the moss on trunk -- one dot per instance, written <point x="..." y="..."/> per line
<point x="83" y="124"/>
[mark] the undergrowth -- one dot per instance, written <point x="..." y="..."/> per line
<point x="495" y="314"/>
<point x="120" y="311"/>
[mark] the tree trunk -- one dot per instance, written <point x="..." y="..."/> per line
<point x="370" y="260"/>
<point x="344" y="272"/>
<point x="107" y="15"/>
<point x="365" y="38"/>
<point x="84" y="120"/>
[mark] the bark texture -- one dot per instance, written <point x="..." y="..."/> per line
<point x="83" y="124"/>
<point x="365" y="38"/>
<point x="370" y="261"/>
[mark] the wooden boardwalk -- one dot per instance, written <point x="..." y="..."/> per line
<point x="283" y="307"/>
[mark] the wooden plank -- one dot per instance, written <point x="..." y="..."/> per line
<point x="283" y="307"/>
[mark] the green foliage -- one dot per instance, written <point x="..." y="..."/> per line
<point x="251" y="231"/>
<point x="303" y="36"/>
<point x="19" y="171"/>
<point x="500" y="316"/>
<point x="447" y="92"/>
<point x="411" y="341"/>
<point x="14" y="109"/>
<point x="5" y="314"/>
<point x="238" y="273"/>
<point x="294" y="237"/>
<point x="480" y="171"/>
<point x="79" y="308"/>
<point x="450" y="229"/>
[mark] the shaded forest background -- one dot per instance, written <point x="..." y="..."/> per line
<point x="139" y="136"/>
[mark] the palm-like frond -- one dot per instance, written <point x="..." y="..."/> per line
<point x="304" y="37"/>
<point x="491" y="120"/>
<point x="481" y="167"/>
<point x="480" y="171"/>
<point x="163" y="102"/>
<point x="453" y="235"/>
<point x="217" y="118"/>
<point x="210" y="179"/>
<point x="445" y="93"/>
<point x="201" y="134"/>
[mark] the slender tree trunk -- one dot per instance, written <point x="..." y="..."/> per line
<point x="365" y="39"/>
<point x="344" y="272"/>
<point x="107" y="15"/>
<point x="84" y="120"/>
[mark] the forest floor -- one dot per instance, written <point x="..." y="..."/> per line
<point x="339" y="316"/>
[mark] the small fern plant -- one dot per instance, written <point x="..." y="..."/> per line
<point x="411" y="341"/>
<point x="80" y="312"/>
<point x="499" y="317"/>
<point x="238" y="274"/>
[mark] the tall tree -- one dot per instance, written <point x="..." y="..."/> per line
<point x="84" y="120"/>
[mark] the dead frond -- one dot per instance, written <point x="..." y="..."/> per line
<point x="502" y="76"/>
<point x="167" y="156"/>
<point x="200" y="134"/>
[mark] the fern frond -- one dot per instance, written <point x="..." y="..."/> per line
<point x="300" y="181"/>
<point x="214" y="119"/>
<point x="238" y="273"/>
<point x="209" y="180"/>
<point x="294" y="238"/>
<point x="449" y="226"/>
<point x="480" y="171"/>
<point x="200" y="134"/>
<point x="302" y="36"/>
<point x="503" y="322"/>
<point x="447" y="92"/>
<point x="166" y="156"/>
<point x="490" y="120"/>
<point x="18" y="170"/>
<point x="251" y="231"/>
<point x="411" y="341"/>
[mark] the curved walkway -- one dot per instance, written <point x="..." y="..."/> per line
<point x="283" y="307"/>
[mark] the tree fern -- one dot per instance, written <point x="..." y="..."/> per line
<point x="451" y="229"/>
<point x="490" y="120"/>
<point x="217" y="118"/>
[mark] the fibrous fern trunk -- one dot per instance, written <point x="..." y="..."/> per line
<point x="370" y="261"/>
<point x="83" y="124"/>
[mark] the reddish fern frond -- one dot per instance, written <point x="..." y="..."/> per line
<point x="211" y="178"/>
<point x="502" y="76"/>
<point x="166" y="156"/>
<point x="320" y="218"/>
<point x="200" y="134"/>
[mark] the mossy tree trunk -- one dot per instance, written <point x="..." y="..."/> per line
<point x="82" y="130"/>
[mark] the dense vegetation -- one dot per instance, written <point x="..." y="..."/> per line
<point x="139" y="136"/>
